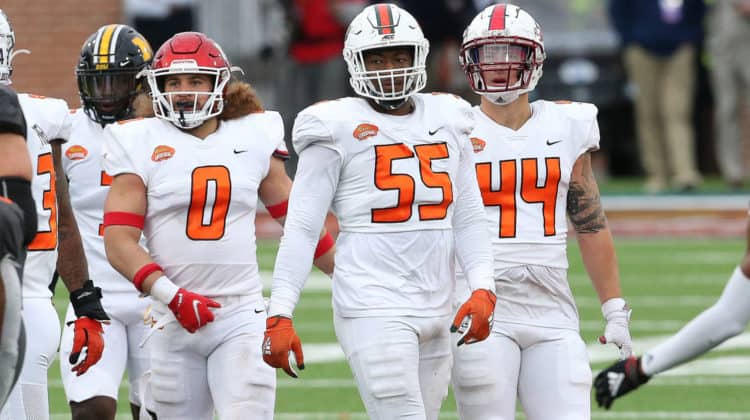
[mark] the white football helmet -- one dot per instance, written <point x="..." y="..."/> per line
<point x="502" y="39"/>
<point x="7" y="42"/>
<point x="380" y="26"/>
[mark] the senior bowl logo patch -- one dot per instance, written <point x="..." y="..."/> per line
<point x="364" y="131"/>
<point x="162" y="153"/>
<point x="76" y="152"/>
<point x="478" y="144"/>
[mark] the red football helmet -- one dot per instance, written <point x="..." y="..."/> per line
<point x="188" y="53"/>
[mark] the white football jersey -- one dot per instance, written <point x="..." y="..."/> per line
<point x="394" y="200"/>
<point x="88" y="185"/>
<point x="47" y="119"/>
<point x="524" y="176"/>
<point x="202" y="196"/>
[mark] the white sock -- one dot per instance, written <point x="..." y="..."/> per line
<point x="727" y="318"/>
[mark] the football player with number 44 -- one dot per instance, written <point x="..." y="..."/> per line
<point x="533" y="167"/>
<point x="397" y="167"/>
<point x="190" y="181"/>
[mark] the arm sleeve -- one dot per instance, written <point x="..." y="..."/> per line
<point x="473" y="245"/>
<point x="11" y="114"/>
<point x="312" y="192"/>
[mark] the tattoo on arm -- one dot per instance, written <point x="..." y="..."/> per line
<point x="584" y="206"/>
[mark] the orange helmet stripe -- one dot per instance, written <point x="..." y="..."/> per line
<point x="384" y="19"/>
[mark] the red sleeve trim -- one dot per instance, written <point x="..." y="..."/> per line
<point x="324" y="245"/>
<point x="278" y="210"/>
<point x="144" y="272"/>
<point x="281" y="154"/>
<point x="121" y="218"/>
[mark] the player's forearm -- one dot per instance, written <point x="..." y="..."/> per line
<point x="600" y="261"/>
<point x="473" y="245"/>
<point x="125" y="253"/>
<point x="71" y="259"/>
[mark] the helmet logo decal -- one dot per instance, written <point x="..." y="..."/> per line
<point x="141" y="43"/>
<point x="497" y="21"/>
<point x="384" y="18"/>
<point x="162" y="152"/>
<point x="478" y="144"/>
<point x="364" y="131"/>
<point x="76" y="152"/>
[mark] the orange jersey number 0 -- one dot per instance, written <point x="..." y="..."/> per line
<point x="200" y="228"/>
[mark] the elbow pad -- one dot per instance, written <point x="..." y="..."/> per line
<point x="18" y="190"/>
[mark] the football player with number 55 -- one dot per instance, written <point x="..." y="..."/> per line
<point x="533" y="166"/>
<point x="190" y="181"/>
<point x="397" y="167"/>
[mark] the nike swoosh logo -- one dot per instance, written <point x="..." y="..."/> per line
<point x="195" y="309"/>
<point x="257" y="311"/>
<point x="236" y="152"/>
<point x="550" y="143"/>
<point x="432" y="132"/>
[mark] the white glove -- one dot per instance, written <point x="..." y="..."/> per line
<point x="617" y="313"/>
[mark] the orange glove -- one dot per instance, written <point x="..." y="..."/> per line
<point x="280" y="339"/>
<point x="474" y="318"/>
<point x="87" y="333"/>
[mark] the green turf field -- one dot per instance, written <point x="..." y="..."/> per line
<point x="666" y="281"/>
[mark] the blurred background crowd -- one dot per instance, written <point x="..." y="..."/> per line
<point x="670" y="77"/>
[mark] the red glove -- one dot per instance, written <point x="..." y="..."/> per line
<point x="278" y="340"/>
<point x="474" y="318"/>
<point x="191" y="309"/>
<point x="87" y="333"/>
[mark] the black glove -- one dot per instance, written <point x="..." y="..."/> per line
<point x="87" y="302"/>
<point x="617" y="380"/>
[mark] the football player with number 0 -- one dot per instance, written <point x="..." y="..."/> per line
<point x="190" y="181"/>
<point x="533" y="167"/>
<point x="48" y="128"/>
<point x="396" y="166"/>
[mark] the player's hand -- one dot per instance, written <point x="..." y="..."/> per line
<point x="87" y="333"/>
<point x="474" y="318"/>
<point x="617" y="380"/>
<point x="192" y="310"/>
<point x="278" y="341"/>
<point x="87" y="329"/>
<point x="617" y="331"/>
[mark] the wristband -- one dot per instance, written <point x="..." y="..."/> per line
<point x="164" y="290"/>
<point x="278" y="210"/>
<point x="324" y="244"/>
<point x="121" y="218"/>
<point x="144" y="272"/>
